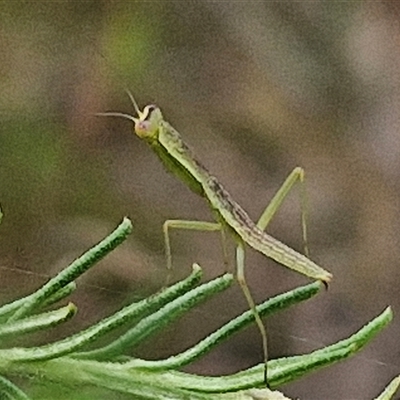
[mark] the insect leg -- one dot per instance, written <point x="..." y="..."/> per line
<point x="240" y="276"/>
<point x="297" y="175"/>
<point x="188" y="225"/>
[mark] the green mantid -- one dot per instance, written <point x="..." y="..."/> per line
<point x="230" y="217"/>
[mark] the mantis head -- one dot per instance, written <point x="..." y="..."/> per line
<point x="147" y="122"/>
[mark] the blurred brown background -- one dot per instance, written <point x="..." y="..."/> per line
<point x="256" y="88"/>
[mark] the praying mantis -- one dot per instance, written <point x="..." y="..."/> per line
<point x="230" y="217"/>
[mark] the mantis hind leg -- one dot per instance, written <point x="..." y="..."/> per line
<point x="188" y="225"/>
<point x="240" y="276"/>
<point x="297" y="175"/>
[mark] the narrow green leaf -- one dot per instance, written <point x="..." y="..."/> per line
<point x="77" y="268"/>
<point x="267" y="308"/>
<point x="75" y="342"/>
<point x="38" y="322"/>
<point x="390" y="390"/>
<point x="11" y="392"/>
<point x="283" y="370"/>
<point x="9" y="308"/>
<point x="160" y="319"/>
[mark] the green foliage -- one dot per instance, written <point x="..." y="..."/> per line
<point x="66" y="364"/>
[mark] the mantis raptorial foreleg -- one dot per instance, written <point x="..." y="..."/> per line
<point x="297" y="175"/>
